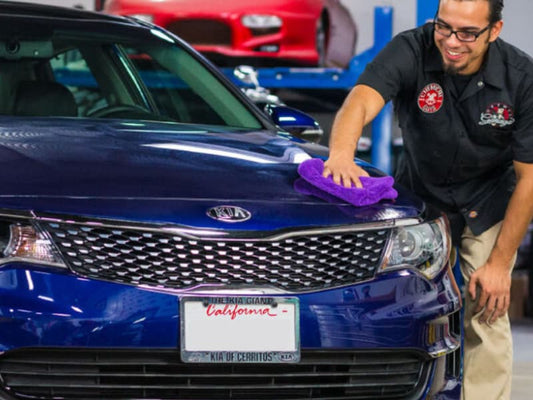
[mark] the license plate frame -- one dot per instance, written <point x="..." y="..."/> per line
<point x="249" y="329"/>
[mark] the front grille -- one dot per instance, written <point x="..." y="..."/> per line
<point x="156" y="258"/>
<point x="141" y="374"/>
<point x="202" y="31"/>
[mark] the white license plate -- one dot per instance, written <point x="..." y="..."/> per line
<point x="240" y="329"/>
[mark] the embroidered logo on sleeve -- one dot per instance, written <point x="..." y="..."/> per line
<point x="431" y="98"/>
<point x="497" y="114"/>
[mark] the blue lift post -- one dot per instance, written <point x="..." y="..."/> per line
<point x="381" y="151"/>
<point x="342" y="79"/>
<point x="425" y="11"/>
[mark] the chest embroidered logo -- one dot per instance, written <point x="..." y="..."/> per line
<point x="431" y="98"/>
<point x="498" y="114"/>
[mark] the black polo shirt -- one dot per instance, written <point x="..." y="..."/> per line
<point x="458" y="147"/>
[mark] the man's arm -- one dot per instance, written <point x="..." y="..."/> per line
<point x="493" y="278"/>
<point x="360" y="107"/>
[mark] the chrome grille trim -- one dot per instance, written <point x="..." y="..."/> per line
<point x="197" y="233"/>
<point x="167" y="258"/>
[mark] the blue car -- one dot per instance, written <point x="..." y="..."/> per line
<point x="154" y="243"/>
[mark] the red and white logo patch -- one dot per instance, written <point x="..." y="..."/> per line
<point x="431" y="98"/>
<point x="498" y="114"/>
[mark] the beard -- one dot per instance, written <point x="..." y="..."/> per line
<point x="453" y="70"/>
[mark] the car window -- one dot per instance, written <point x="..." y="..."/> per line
<point x="71" y="68"/>
<point x="184" y="90"/>
<point x="79" y="75"/>
<point x="173" y="97"/>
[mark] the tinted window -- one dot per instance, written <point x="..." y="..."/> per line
<point x="117" y="77"/>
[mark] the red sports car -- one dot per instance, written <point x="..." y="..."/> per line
<point x="260" y="33"/>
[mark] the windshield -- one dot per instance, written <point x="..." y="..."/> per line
<point x="145" y="76"/>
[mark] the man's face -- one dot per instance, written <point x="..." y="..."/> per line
<point x="459" y="57"/>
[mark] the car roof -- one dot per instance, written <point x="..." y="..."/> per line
<point x="12" y="8"/>
<point x="34" y="15"/>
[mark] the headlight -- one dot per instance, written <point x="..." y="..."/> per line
<point x="22" y="241"/>
<point x="424" y="247"/>
<point x="259" y="21"/>
<point x="144" y="17"/>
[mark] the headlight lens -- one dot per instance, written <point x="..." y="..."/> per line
<point x="25" y="242"/>
<point x="425" y="247"/>
<point x="260" y="21"/>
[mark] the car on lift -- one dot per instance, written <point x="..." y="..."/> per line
<point x="261" y="33"/>
<point x="155" y="241"/>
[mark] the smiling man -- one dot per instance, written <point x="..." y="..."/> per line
<point x="464" y="100"/>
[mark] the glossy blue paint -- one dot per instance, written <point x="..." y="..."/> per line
<point x="43" y="306"/>
<point x="166" y="173"/>
<point x="289" y="118"/>
<point x="451" y="392"/>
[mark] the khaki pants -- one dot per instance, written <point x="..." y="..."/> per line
<point x="488" y="350"/>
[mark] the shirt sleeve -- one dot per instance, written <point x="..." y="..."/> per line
<point x="523" y="134"/>
<point x="394" y="68"/>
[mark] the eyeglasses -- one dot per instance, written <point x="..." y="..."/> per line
<point x="463" y="36"/>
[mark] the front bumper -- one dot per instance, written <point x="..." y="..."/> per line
<point x="47" y="312"/>
<point x="224" y="36"/>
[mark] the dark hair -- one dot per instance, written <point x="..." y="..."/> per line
<point x="495" y="7"/>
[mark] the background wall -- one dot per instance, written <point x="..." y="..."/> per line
<point x="518" y="26"/>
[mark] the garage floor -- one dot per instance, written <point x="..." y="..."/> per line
<point x="523" y="360"/>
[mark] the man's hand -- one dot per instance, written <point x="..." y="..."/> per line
<point x="494" y="277"/>
<point x="344" y="172"/>
<point x="494" y="293"/>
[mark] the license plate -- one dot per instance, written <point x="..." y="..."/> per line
<point x="240" y="329"/>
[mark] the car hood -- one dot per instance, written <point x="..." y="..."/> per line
<point x="167" y="173"/>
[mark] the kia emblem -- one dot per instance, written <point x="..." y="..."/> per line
<point x="229" y="214"/>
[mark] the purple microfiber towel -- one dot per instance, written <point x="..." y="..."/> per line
<point x="374" y="188"/>
<point x="304" y="187"/>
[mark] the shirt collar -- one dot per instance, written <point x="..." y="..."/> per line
<point x="493" y="68"/>
<point x="433" y="61"/>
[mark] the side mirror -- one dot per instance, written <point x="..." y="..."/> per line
<point x="296" y="122"/>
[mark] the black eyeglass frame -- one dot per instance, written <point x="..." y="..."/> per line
<point x="475" y="35"/>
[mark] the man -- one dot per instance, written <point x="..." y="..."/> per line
<point x="464" y="100"/>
